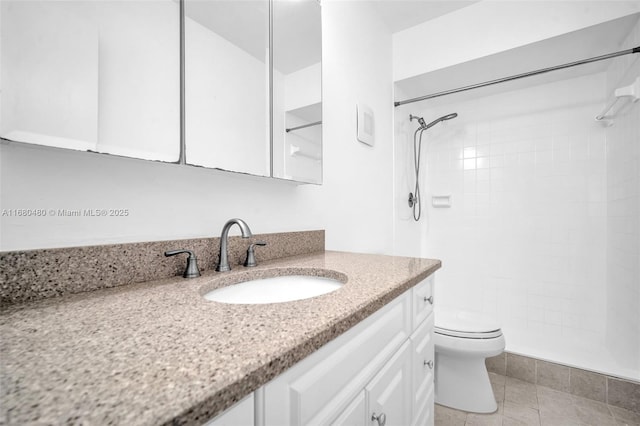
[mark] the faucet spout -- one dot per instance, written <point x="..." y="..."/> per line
<point x="223" y="262"/>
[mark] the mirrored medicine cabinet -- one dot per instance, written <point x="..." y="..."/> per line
<point x="97" y="76"/>
<point x="105" y="76"/>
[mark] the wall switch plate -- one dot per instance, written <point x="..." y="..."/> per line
<point x="366" y="124"/>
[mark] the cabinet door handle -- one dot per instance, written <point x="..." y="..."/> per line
<point x="381" y="418"/>
<point x="429" y="364"/>
<point x="429" y="299"/>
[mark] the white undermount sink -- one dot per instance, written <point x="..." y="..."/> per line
<point x="275" y="289"/>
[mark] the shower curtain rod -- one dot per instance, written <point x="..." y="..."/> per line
<point x="518" y="76"/>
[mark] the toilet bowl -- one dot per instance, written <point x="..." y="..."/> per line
<point x="463" y="340"/>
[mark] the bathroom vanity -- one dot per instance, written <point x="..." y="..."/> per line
<point x="159" y="353"/>
<point x="380" y="370"/>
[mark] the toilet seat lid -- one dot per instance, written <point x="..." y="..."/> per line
<point x="465" y="324"/>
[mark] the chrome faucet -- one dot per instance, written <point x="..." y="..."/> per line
<point x="223" y="260"/>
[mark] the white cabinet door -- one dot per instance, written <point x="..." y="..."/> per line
<point x="355" y="414"/>
<point x="389" y="392"/>
<point x="321" y="386"/>
<point x="423" y="373"/>
<point x="92" y="76"/>
<point x="367" y="370"/>
<point x="240" y="414"/>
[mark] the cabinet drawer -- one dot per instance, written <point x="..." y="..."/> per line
<point x="318" y="388"/>
<point x="422" y="301"/>
<point x="423" y="369"/>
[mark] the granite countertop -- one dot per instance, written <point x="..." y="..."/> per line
<point x="159" y="353"/>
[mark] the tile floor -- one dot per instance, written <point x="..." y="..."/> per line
<point x="524" y="404"/>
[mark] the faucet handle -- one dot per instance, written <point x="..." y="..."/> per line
<point x="251" y="256"/>
<point x="191" y="270"/>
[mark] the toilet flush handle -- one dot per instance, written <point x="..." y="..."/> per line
<point x="381" y="418"/>
<point x="429" y="299"/>
<point x="429" y="364"/>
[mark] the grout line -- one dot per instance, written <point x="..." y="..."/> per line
<point x="502" y="416"/>
<point x="607" y="378"/>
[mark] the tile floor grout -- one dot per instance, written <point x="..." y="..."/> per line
<point x="522" y="403"/>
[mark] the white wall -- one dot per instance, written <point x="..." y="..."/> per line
<point x="623" y="216"/>
<point x="358" y="179"/>
<point x="168" y="201"/>
<point x="490" y="27"/>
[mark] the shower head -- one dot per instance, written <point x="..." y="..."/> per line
<point x="436" y="121"/>
<point x="423" y="125"/>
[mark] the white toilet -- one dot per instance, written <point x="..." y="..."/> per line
<point x="462" y="342"/>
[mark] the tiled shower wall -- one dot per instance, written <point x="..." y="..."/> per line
<point x="525" y="236"/>
<point x="623" y="215"/>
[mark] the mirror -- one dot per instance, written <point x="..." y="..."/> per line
<point x="297" y="91"/>
<point x="104" y="76"/>
<point x="227" y="85"/>
<point x="99" y="76"/>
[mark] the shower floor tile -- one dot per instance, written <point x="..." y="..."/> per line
<point x="525" y="404"/>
